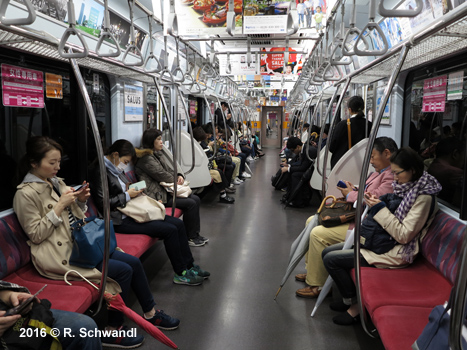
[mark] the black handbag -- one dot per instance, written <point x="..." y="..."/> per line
<point x="337" y="213"/>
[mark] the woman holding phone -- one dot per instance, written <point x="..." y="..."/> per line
<point x="117" y="158"/>
<point x="46" y="207"/>
<point x="407" y="226"/>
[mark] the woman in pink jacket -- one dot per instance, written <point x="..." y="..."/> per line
<point x="378" y="183"/>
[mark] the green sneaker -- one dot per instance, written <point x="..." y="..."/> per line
<point x="197" y="270"/>
<point x="188" y="277"/>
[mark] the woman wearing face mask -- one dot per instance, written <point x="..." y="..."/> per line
<point x="117" y="158"/>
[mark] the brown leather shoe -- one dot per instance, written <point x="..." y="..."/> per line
<point x="301" y="277"/>
<point x="308" y="292"/>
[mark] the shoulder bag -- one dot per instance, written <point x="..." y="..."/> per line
<point x="183" y="191"/>
<point x="89" y="241"/>
<point x="143" y="209"/>
<point x="337" y="213"/>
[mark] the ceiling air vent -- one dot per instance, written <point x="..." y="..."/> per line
<point x="260" y="39"/>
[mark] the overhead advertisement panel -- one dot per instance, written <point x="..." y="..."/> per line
<point x="197" y="17"/>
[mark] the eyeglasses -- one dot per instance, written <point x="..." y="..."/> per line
<point x="397" y="173"/>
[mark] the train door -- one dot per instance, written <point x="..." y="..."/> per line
<point x="271" y="127"/>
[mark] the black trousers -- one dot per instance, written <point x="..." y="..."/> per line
<point x="190" y="207"/>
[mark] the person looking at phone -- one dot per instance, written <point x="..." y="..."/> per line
<point x="117" y="158"/>
<point x="46" y="208"/>
<point x="378" y="183"/>
<point x="407" y="226"/>
<point x="153" y="169"/>
<point x="12" y="295"/>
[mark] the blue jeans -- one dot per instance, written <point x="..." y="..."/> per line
<point x="128" y="272"/>
<point x="339" y="262"/>
<point x="242" y="157"/>
<point x="171" y="230"/>
<point x="301" y="17"/>
<point x="74" y="321"/>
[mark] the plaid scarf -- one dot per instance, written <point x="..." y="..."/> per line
<point x="410" y="191"/>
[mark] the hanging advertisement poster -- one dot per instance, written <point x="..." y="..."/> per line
<point x="120" y="28"/>
<point x="203" y="17"/>
<point x="22" y="87"/>
<point x="133" y="96"/>
<point x="455" y="85"/>
<point x="238" y="65"/>
<point x="386" y="119"/>
<point x="265" y="17"/>
<point x="89" y="16"/>
<point x="53" y="86"/>
<point x="56" y="9"/>
<point x="434" y="94"/>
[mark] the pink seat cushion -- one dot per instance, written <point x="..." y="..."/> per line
<point x="134" y="244"/>
<point x="177" y="213"/>
<point x="77" y="298"/>
<point x="420" y="285"/>
<point x="400" y="326"/>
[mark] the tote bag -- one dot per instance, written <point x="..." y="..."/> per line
<point x="337" y="213"/>
<point x="183" y="191"/>
<point x="143" y="209"/>
<point x="89" y="241"/>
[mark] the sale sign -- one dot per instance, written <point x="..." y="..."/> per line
<point x="22" y="87"/>
<point x="434" y="94"/>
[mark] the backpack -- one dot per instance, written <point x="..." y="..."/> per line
<point x="280" y="180"/>
<point x="32" y="331"/>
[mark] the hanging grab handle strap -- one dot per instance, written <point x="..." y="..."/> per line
<point x="231" y="18"/>
<point x="17" y="21"/>
<point x="292" y="19"/>
<point x="371" y="25"/>
<point x="400" y="13"/>
<point x="172" y="27"/>
<point x="105" y="33"/>
<point x="132" y="45"/>
<point x="72" y="31"/>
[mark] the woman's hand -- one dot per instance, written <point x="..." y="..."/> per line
<point x="346" y="190"/>
<point x="134" y="193"/>
<point x="7" y="322"/>
<point x="180" y="180"/>
<point x="84" y="193"/>
<point x="66" y="199"/>
<point x="371" y="199"/>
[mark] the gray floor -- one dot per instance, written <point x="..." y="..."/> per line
<point x="247" y="255"/>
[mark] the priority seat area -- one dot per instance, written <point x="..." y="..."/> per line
<point x="399" y="301"/>
<point x="16" y="265"/>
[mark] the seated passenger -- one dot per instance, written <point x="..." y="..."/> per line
<point x="12" y="295"/>
<point x="46" y="208"/>
<point x="297" y="168"/>
<point x="378" y="183"/>
<point x="339" y="144"/>
<point x="152" y="169"/>
<point x="171" y="229"/>
<point x="447" y="168"/>
<point x="407" y="226"/>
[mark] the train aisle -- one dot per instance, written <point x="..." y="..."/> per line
<point x="247" y="256"/>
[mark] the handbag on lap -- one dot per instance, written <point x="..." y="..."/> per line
<point x="337" y="213"/>
<point x="183" y="191"/>
<point x="143" y="209"/>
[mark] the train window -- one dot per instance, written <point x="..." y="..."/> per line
<point x="437" y="106"/>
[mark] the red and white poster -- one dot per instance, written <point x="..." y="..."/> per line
<point x="434" y="94"/>
<point x="22" y="87"/>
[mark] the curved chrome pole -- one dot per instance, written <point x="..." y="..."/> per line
<point x="366" y="164"/>
<point x="191" y="132"/>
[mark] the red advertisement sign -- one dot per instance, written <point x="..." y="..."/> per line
<point x="434" y="94"/>
<point x="22" y="87"/>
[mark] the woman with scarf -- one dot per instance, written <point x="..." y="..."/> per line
<point x="407" y="226"/>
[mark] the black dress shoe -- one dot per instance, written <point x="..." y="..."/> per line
<point x="345" y="319"/>
<point x="339" y="306"/>
<point x="227" y="199"/>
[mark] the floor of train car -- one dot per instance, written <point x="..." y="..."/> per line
<point x="247" y="255"/>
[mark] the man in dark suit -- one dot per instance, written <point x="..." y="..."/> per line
<point x="220" y="118"/>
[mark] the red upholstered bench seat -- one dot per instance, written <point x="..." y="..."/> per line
<point x="400" y="326"/>
<point x="420" y="285"/>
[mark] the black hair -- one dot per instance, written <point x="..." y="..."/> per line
<point x="199" y="134"/>
<point x="208" y="128"/>
<point x="123" y="148"/>
<point x="383" y="142"/>
<point x="448" y="146"/>
<point x="225" y="104"/>
<point x="149" y="136"/>
<point x="356" y="105"/>
<point x="293" y="142"/>
<point x="306" y="125"/>
<point x="408" y="159"/>
<point x="36" y="149"/>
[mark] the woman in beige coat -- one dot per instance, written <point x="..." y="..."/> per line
<point x="407" y="226"/>
<point x="46" y="207"/>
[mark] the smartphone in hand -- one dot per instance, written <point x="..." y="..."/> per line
<point x="341" y="184"/>
<point x="21" y="307"/>
<point x="80" y="187"/>
<point x="138" y="185"/>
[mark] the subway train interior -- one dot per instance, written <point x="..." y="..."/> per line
<point x="234" y="121"/>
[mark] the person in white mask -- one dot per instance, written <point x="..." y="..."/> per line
<point x="172" y="230"/>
